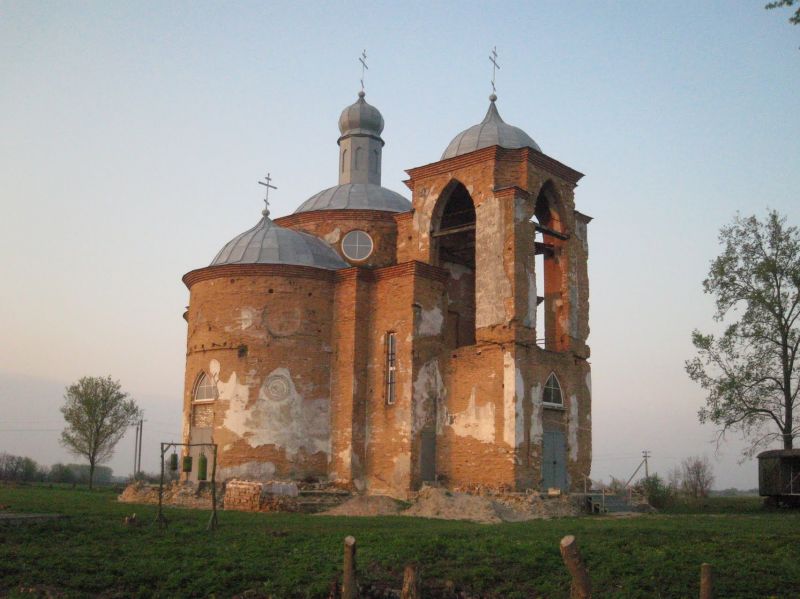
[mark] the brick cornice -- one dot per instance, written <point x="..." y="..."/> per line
<point x="302" y="218"/>
<point x="496" y="153"/>
<point x="405" y="269"/>
<point x="256" y="270"/>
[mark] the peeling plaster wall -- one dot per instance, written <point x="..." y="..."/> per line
<point x="279" y="417"/>
<point x="430" y="322"/>
<point x="476" y="421"/>
<point x="265" y="342"/>
<point x="471" y="448"/>
<point x="492" y="284"/>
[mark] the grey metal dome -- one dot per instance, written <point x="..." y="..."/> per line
<point x="491" y="131"/>
<point x="363" y="196"/>
<point x="267" y="243"/>
<point x="361" y="118"/>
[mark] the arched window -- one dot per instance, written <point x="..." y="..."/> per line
<point x="204" y="389"/>
<point x="453" y="248"/>
<point x="552" y="392"/>
<point x="344" y="159"/>
<point x="357" y="165"/>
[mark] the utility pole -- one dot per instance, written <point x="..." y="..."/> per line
<point x="645" y="455"/>
<point x="139" y="456"/>
<point x="135" y="449"/>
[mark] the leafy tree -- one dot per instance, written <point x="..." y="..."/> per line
<point x="795" y="18"/>
<point x="750" y="371"/>
<point x="20" y="468"/>
<point x="97" y="413"/>
<point x="697" y="476"/>
<point x="61" y="473"/>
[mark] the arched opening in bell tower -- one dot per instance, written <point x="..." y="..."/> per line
<point x="548" y="241"/>
<point x="453" y="248"/>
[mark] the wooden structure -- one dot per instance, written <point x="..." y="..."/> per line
<point x="779" y="476"/>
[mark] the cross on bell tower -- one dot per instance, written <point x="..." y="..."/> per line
<point x="495" y="67"/>
<point x="266" y="183"/>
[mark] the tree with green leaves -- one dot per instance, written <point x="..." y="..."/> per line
<point x="97" y="413"/>
<point x="750" y="371"/>
<point x="795" y="18"/>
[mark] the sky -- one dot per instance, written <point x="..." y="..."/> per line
<point x="132" y="135"/>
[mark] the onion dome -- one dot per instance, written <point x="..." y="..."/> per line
<point x="356" y="196"/>
<point x="361" y="119"/>
<point x="491" y="131"/>
<point x="360" y="154"/>
<point x="267" y="243"/>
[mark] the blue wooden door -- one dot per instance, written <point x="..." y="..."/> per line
<point x="554" y="460"/>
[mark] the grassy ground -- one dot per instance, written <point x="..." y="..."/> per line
<point x="754" y="553"/>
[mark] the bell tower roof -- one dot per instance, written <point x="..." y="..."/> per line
<point x="491" y="131"/>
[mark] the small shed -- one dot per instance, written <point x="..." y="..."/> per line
<point x="779" y="475"/>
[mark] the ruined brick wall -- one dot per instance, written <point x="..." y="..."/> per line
<point x="262" y="334"/>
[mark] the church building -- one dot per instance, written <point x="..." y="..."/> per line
<point x="380" y="344"/>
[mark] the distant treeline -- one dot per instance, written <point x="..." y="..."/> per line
<point x="24" y="469"/>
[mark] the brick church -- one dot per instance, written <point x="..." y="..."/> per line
<point x="380" y="343"/>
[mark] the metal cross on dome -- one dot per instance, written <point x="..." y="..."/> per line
<point x="363" y="60"/>
<point x="266" y="183"/>
<point x="495" y="66"/>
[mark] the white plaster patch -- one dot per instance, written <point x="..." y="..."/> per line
<point x="589" y="382"/>
<point x="537" y="415"/>
<point x="491" y="284"/>
<point x="247" y="316"/>
<point x="572" y="429"/>
<point x="509" y="400"/>
<point x="581" y="233"/>
<point x="280" y="416"/>
<point x="429" y="392"/>
<point x="476" y="421"/>
<point x="457" y="270"/>
<point x="430" y="322"/>
<point x="530" y="316"/>
<point x="249" y="471"/>
<point x="333" y="236"/>
<point x="573" y="300"/>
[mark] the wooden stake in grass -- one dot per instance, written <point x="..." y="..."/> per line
<point x="349" y="578"/>
<point x="706" y="582"/>
<point x="581" y="585"/>
<point x="411" y="583"/>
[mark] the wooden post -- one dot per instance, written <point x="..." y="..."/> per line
<point x="411" y="583"/>
<point x="581" y="585"/>
<point x="706" y="582"/>
<point x="349" y="578"/>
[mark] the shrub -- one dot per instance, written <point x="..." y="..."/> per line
<point x="656" y="491"/>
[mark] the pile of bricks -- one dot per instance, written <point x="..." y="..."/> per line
<point x="252" y="496"/>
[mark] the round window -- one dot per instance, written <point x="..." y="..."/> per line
<point x="357" y="245"/>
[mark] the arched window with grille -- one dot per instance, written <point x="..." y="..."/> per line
<point x="204" y="389"/>
<point x="552" y="392"/>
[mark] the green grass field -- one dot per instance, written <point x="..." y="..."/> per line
<point x="754" y="553"/>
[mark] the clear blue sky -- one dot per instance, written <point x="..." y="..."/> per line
<point x="132" y="135"/>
